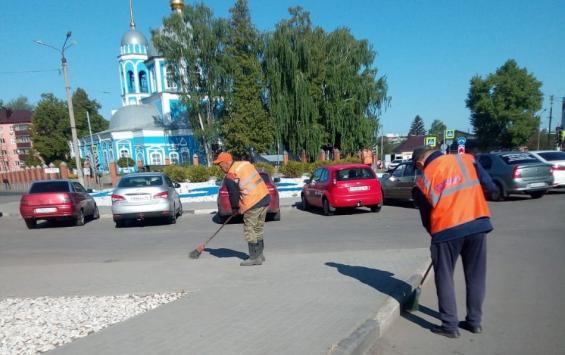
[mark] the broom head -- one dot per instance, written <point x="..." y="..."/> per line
<point x="195" y="254"/>
<point x="414" y="303"/>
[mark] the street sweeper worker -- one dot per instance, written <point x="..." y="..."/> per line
<point x="455" y="213"/>
<point x="250" y="197"/>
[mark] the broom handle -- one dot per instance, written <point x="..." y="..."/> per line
<point x="426" y="274"/>
<point x="219" y="229"/>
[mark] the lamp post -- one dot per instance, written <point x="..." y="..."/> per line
<point x="69" y="102"/>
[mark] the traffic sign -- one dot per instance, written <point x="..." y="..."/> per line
<point x="443" y="147"/>
<point x="461" y="149"/>
<point x="430" y="141"/>
<point x="449" y="141"/>
<point x="461" y="140"/>
<point x="449" y="133"/>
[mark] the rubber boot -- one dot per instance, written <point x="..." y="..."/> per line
<point x="254" y="256"/>
<point x="261" y="247"/>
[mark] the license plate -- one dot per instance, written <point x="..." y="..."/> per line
<point x="45" y="210"/>
<point x="359" y="188"/>
<point x="138" y="197"/>
<point x="537" y="184"/>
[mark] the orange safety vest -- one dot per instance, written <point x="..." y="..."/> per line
<point x="251" y="185"/>
<point x="367" y="156"/>
<point x="452" y="186"/>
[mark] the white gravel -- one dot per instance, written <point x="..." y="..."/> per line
<point x="31" y="326"/>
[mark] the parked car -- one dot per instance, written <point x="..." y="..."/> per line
<point x="342" y="186"/>
<point x="273" y="212"/>
<point x="57" y="200"/>
<point x="557" y="161"/>
<point x="516" y="173"/>
<point x="393" y="164"/>
<point x="400" y="183"/>
<point x="139" y="196"/>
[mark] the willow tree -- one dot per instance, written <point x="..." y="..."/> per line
<point x="245" y="124"/>
<point x="322" y="87"/>
<point x="193" y="43"/>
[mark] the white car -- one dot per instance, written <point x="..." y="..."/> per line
<point x="557" y="161"/>
<point x="393" y="164"/>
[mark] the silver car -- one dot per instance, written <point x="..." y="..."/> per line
<point x="400" y="183"/>
<point x="145" y="195"/>
<point x="516" y="172"/>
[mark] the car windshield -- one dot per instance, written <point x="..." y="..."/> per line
<point x="354" y="174"/>
<point x="49" y="186"/>
<point x="266" y="178"/>
<point x="140" y="181"/>
<point x="552" y="156"/>
<point x="518" y="158"/>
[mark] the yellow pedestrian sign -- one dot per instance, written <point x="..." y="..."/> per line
<point x="430" y="141"/>
<point x="449" y="133"/>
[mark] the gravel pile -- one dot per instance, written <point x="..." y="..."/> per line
<point x="31" y="326"/>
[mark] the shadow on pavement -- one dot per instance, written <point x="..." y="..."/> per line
<point x="226" y="253"/>
<point x="419" y="320"/>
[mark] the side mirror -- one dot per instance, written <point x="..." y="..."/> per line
<point x="219" y="182"/>
<point x="277" y="180"/>
<point x="176" y="185"/>
<point x="89" y="191"/>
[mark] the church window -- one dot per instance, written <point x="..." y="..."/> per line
<point x="131" y="81"/>
<point x="174" y="158"/>
<point x="143" y="82"/>
<point x="156" y="158"/>
<point x="185" y="157"/>
<point x="124" y="153"/>
<point x="170" y="77"/>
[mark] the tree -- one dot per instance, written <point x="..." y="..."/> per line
<point x="81" y="104"/>
<point x="32" y="158"/>
<point x="246" y="123"/>
<point x="417" y="127"/>
<point x="20" y="103"/>
<point x="437" y="128"/>
<point x="50" y="129"/>
<point x="194" y="45"/>
<point x="503" y="106"/>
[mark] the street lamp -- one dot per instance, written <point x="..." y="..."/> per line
<point x="69" y="102"/>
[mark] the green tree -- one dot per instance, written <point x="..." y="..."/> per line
<point x="50" y="129"/>
<point x="19" y="103"/>
<point x="417" y="127"/>
<point x="81" y="104"/>
<point x="437" y="128"/>
<point x="194" y="45"/>
<point x="503" y="106"/>
<point x="32" y="158"/>
<point x="246" y="123"/>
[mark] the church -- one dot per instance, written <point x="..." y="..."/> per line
<point x="152" y="126"/>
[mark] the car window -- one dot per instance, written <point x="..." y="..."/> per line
<point x="551" y="156"/>
<point x="324" y="176"/>
<point x="354" y="174"/>
<point x="316" y="175"/>
<point x="266" y="177"/>
<point x="408" y="170"/>
<point x="49" y="186"/>
<point x="399" y="171"/>
<point x="485" y="161"/>
<point x="518" y="158"/>
<point x="168" y="181"/>
<point x="78" y="187"/>
<point x="140" y="181"/>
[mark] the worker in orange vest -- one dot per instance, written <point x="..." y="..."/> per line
<point x="250" y="197"/>
<point x="367" y="157"/>
<point x="454" y="211"/>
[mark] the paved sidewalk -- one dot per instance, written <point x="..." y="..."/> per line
<point x="293" y="304"/>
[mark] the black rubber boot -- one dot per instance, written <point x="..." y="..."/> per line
<point x="254" y="256"/>
<point x="261" y="247"/>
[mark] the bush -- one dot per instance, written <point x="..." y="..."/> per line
<point x="350" y="160"/>
<point x="124" y="162"/>
<point x="198" y="173"/>
<point x="216" y="171"/>
<point x="176" y="173"/>
<point x="293" y="169"/>
<point x="315" y="165"/>
<point x="265" y="166"/>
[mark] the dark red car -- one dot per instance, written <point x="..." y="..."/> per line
<point x="273" y="213"/>
<point x="56" y="200"/>
<point x="342" y="186"/>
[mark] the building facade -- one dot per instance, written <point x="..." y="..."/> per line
<point x="152" y="126"/>
<point x="15" y="140"/>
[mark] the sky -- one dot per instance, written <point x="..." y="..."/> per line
<point x="427" y="50"/>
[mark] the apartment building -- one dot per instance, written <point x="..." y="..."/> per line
<point x="15" y="139"/>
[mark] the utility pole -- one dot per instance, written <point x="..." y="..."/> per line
<point x="69" y="103"/>
<point x="550" y="116"/>
<point x="93" y="159"/>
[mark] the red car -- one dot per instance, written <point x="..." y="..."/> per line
<point x="273" y="213"/>
<point x="55" y="200"/>
<point x="342" y="186"/>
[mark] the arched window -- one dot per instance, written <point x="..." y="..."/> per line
<point x="170" y="75"/>
<point x="131" y="81"/>
<point x="174" y="156"/>
<point x="124" y="153"/>
<point x="156" y="158"/>
<point x="143" y="82"/>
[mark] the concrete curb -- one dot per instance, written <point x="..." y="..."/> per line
<point x="372" y="329"/>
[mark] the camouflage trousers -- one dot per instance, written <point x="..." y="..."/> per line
<point x="254" y="223"/>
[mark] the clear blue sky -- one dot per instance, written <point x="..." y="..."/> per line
<point x="428" y="50"/>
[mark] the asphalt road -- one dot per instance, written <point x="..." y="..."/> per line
<point x="524" y="310"/>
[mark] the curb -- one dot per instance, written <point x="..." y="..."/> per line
<point x="370" y="332"/>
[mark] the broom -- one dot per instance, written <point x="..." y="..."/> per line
<point x="195" y="254"/>
<point x="414" y="304"/>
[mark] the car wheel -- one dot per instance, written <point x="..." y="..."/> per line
<point x="96" y="213"/>
<point x="328" y="210"/>
<point x="120" y="224"/>
<point x="180" y="210"/>
<point x="31" y="223"/>
<point x="499" y="194"/>
<point x="305" y="205"/>
<point x="537" y="194"/>
<point x="79" y="221"/>
<point x="376" y="208"/>
<point x="276" y="216"/>
<point x="173" y="217"/>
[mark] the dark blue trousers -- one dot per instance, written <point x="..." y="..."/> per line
<point x="473" y="250"/>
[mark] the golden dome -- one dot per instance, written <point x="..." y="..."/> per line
<point x="177" y="5"/>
